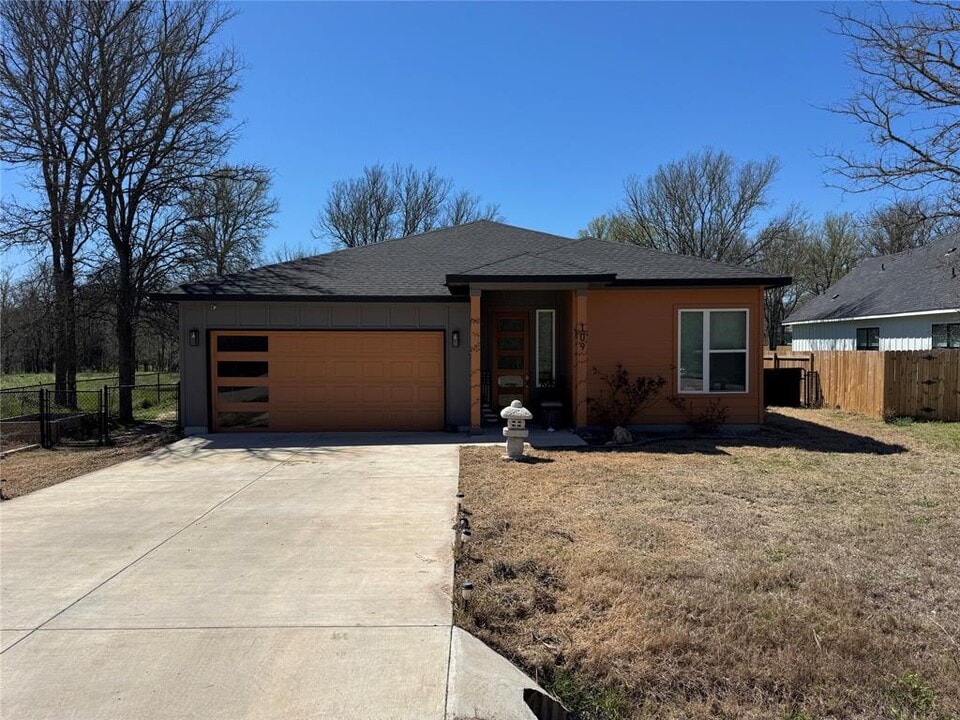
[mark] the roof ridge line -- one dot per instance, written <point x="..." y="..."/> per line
<point x="544" y="255"/>
<point x="495" y="262"/>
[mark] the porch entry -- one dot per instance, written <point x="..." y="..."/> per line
<point x="511" y="338"/>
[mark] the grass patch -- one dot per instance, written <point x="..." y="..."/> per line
<point x="810" y="571"/>
<point x="933" y="432"/>
<point x="85" y="380"/>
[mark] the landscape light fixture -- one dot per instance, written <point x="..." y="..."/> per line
<point x="460" y="497"/>
<point x="465" y="536"/>
<point x="466" y="591"/>
<point x="455" y="338"/>
<point x="194" y="337"/>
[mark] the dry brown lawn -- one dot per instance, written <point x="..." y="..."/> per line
<point x="810" y="571"/>
<point x="30" y="470"/>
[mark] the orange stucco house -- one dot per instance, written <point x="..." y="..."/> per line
<point x="440" y="330"/>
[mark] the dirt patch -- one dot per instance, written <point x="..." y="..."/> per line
<point x="808" y="571"/>
<point x="24" y="472"/>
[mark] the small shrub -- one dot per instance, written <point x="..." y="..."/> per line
<point x="589" y="702"/>
<point x="776" y="555"/>
<point x="146" y="404"/>
<point x="706" y="421"/>
<point x="623" y="397"/>
<point x="898" y="420"/>
<point x="911" y="697"/>
<point x="503" y="571"/>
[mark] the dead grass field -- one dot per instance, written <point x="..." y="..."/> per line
<point x="25" y="472"/>
<point x="811" y="571"/>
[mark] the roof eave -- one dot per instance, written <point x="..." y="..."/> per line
<point x="881" y="316"/>
<point x="210" y="297"/>
<point x="766" y="282"/>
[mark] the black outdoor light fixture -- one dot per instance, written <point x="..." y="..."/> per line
<point x="455" y="338"/>
<point x="194" y="337"/>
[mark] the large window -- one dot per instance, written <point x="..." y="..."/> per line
<point x="946" y="335"/>
<point x="713" y="351"/>
<point x="546" y="347"/>
<point x="868" y="338"/>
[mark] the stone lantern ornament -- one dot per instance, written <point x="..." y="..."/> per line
<point x="516" y="430"/>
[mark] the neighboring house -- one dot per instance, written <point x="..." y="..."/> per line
<point x="907" y="301"/>
<point x="441" y="330"/>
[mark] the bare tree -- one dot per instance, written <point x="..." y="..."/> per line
<point x="832" y="251"/>
<point x="615" y="227"/>
<point x="783" y="244"/>
<point x="383" y="205"/>
<point x="907" y="100"/>
<point x="902" y="225"/>
<point x="158" y="88"/>
<point x="27" y="333"/>
<point x="360" y="211"/>
<point x="43" y="126"/>
<point x="421" y="197"/>
<point x="227" y="214"/>
<point x="705" y="205"/>
<point x="286" y="253"/>
<point x="465" y="207"/>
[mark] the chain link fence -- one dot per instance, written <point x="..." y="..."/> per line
<point x="154" y="403"/>
<point x="85" y="417"/>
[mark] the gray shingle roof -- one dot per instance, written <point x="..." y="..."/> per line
<point x="923" y="279"/>
<point x="427" y="266"/>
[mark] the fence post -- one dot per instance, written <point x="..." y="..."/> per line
<point x="41" y="401"/>
<point x="158" y="388"/>
<point x="106" y="413"/>
<point x="101" y="425"/>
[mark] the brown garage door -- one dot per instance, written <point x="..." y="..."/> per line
<point x="327" y="380"/>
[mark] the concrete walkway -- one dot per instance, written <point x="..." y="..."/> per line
<point x="245" y="577"/>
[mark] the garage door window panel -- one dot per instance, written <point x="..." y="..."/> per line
<point x="243" y="343"/>
<point x="242" y="369"/>
<point x="243" y="420"/>
<point x="243" y="394"/>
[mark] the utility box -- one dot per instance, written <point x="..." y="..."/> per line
<point x="781" y="387"/>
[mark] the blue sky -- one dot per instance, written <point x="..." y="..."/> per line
<point x="543" y="108"/>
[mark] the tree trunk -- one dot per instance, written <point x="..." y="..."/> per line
<point x="65" y="339"/>
<point x="126" y="341"/>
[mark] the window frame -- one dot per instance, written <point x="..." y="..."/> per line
<point x="953" y="336"/>
<point x="867" y="348"/>
<point x="553" y="342"/>
<point x="707" y="351"/>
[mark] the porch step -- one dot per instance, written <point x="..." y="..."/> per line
<point x="488" y="416"/>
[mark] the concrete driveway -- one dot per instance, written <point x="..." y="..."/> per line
<point x="239" y="577"/>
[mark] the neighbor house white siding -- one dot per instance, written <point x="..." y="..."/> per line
<point x="912" y="332"/>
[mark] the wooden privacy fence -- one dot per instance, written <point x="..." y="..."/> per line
<point x="918" y="383"/>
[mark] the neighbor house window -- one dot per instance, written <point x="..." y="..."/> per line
<point x="868" y="338"/>
<point x="546" y="346"/>
<point x="946" y="335"/>
<point x="713" y="351"/>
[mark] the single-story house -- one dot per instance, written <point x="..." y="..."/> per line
<point x="442" y="329"/>
<point x="907" y="301"/>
